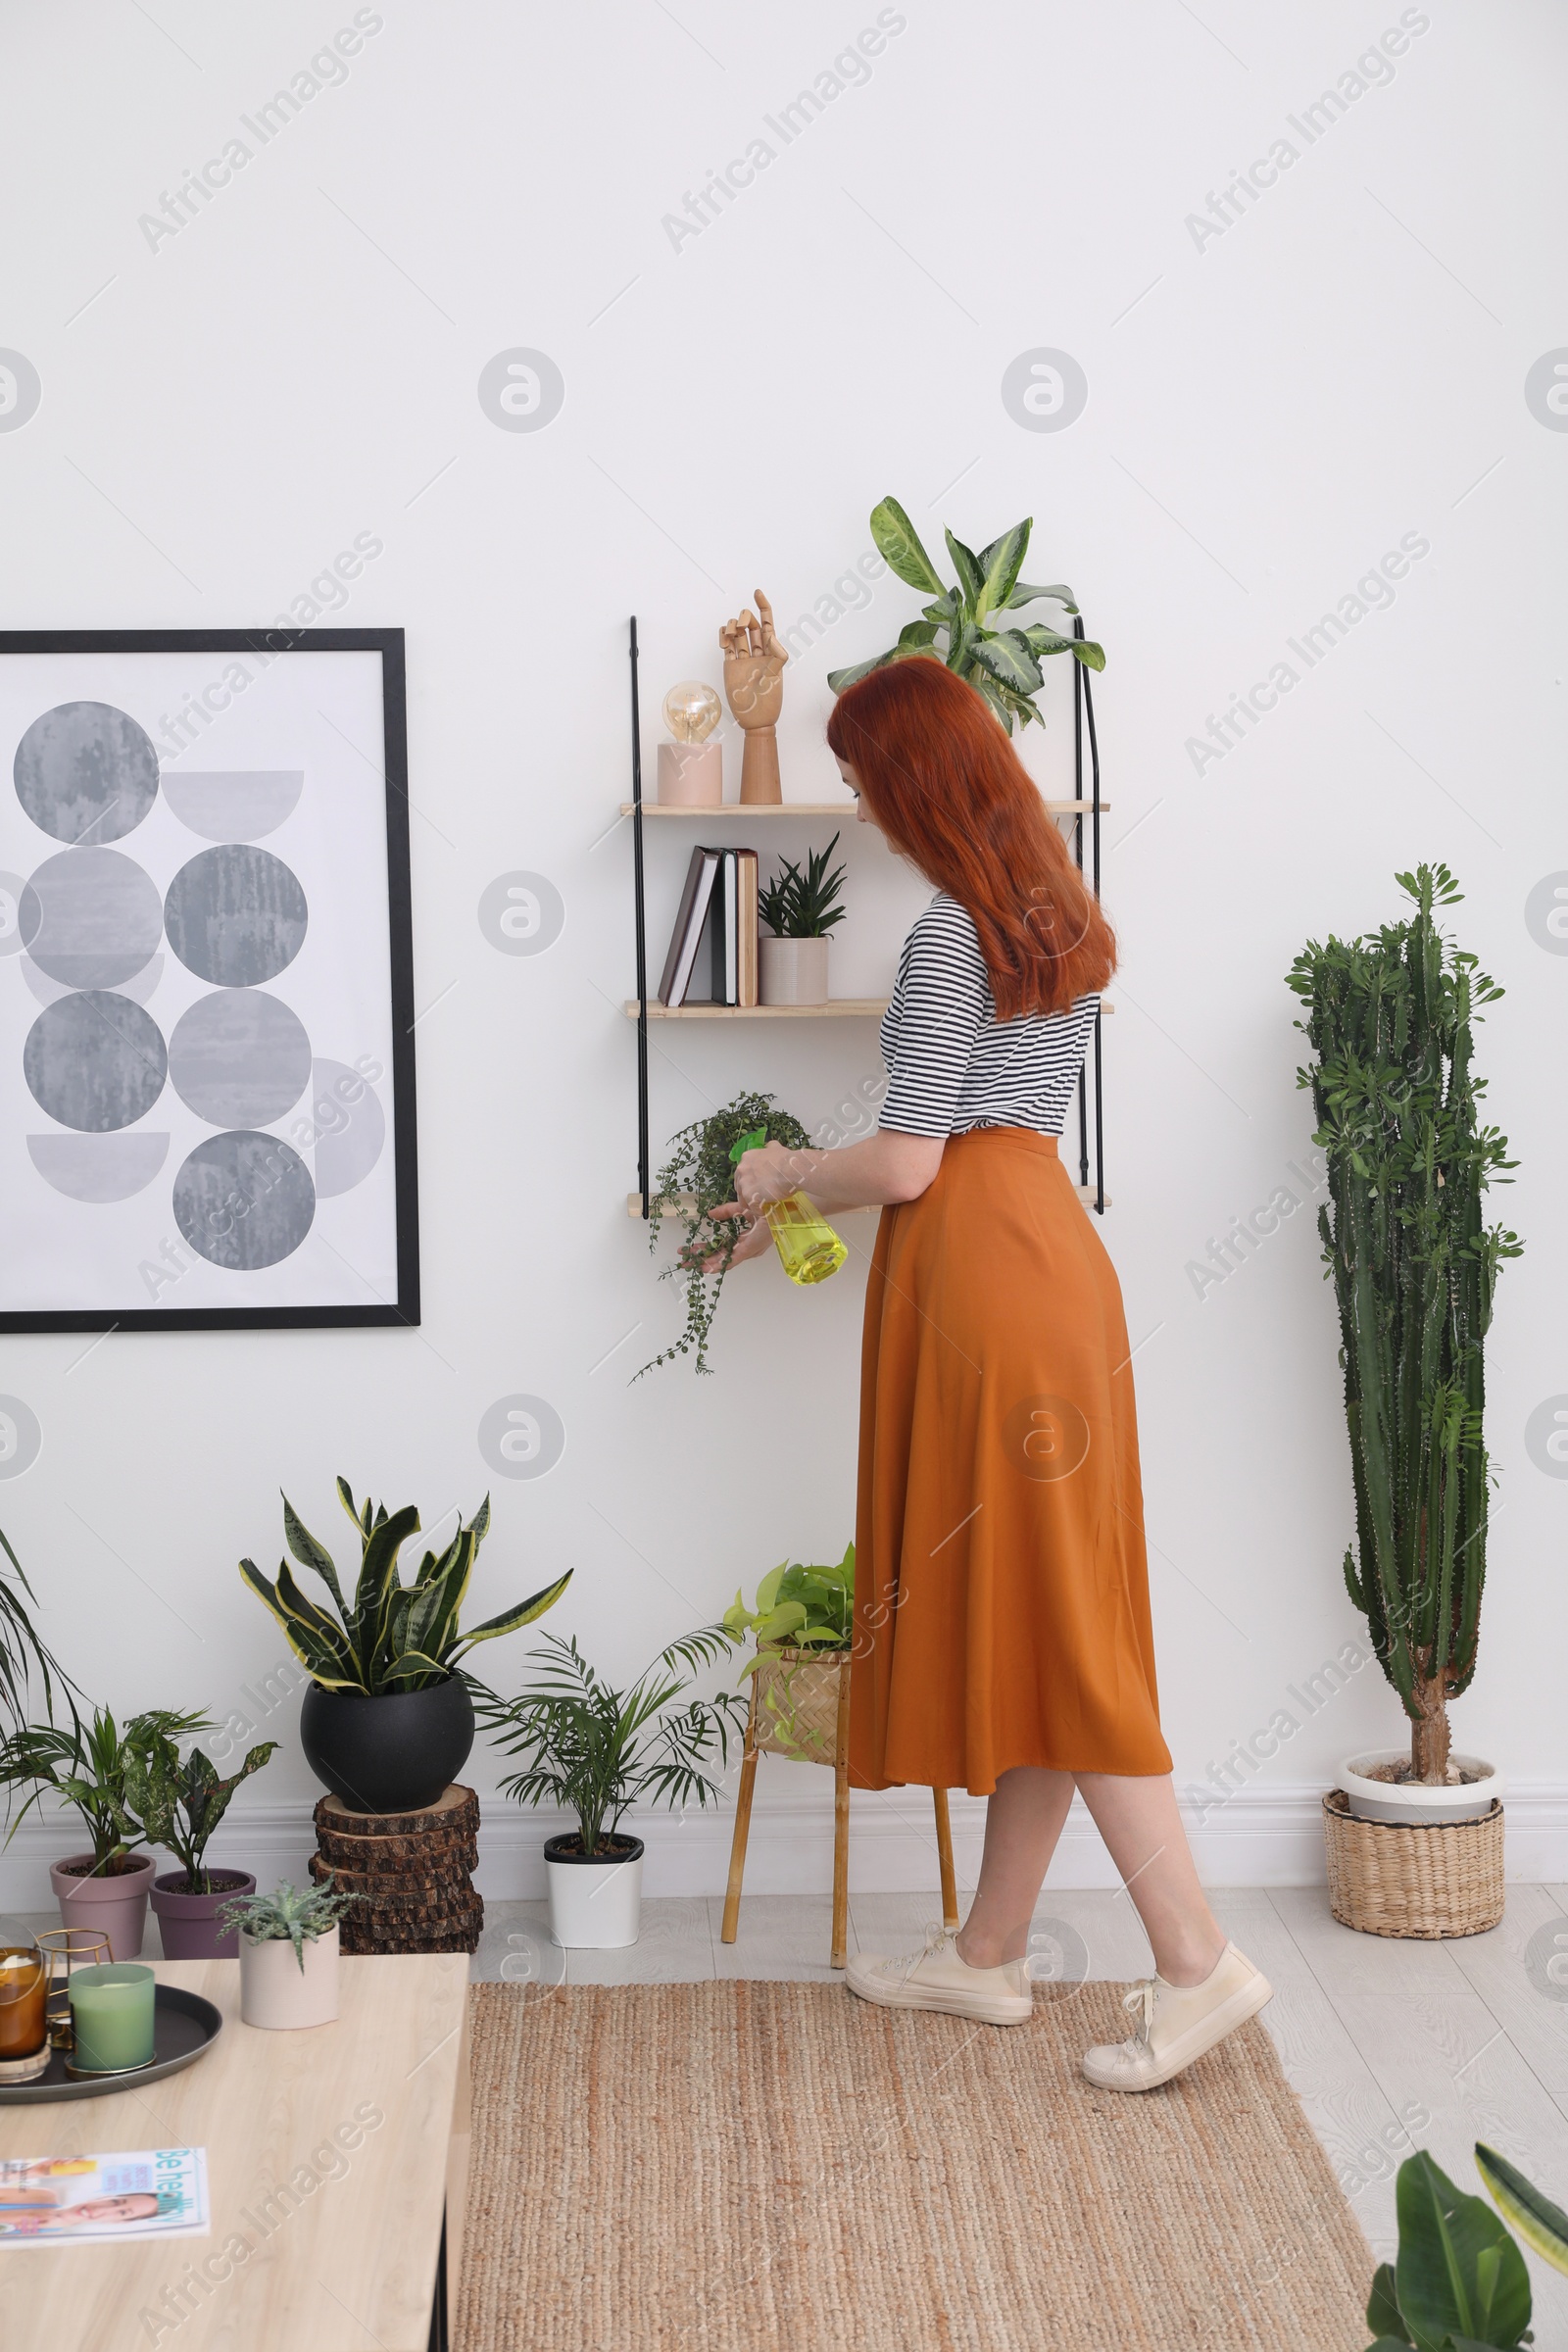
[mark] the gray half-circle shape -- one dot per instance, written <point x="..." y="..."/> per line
<point x="236" y="805"/>
<point x="240" y="1058"/>
<point x="139" y="987"/>
<point x="244" y="1201"/>
<point x="86" y="773"/>
<point x="99" y="1168"/>
<point x="90" y="918"/>
<point x="350" y="1127"/>
<point x="95" y="1061"/>
<point x="235" y="916"/>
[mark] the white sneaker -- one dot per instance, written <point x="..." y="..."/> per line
<point x="1179" y="2022"/>
<point x="938" y="1979"/>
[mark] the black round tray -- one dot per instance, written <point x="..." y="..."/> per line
<point x="184" y="2028"/>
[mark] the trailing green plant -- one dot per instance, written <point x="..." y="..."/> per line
<point x="698" y="1177"/>
<point x="296" y="1915"/>
<point x="595" y="1750"/>
<point x="802" y="906"/>
<point x="179" y="1804"/>
<point x="1414" y="1271"/>
<point x="86" y="1765"/>
<point x="22" y="1648"/>
<point x="1002" y="665"/>
<point x="392" y="1636"/>
<point x="800" y="1612"/>
<point x="1459" y="2283"/>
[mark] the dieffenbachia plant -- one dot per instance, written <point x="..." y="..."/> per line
<point x="178" y="1805"/>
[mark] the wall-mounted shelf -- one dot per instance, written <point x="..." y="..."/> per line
<point x="840" y="809"/>
<point x="855" y="1009"/>
<point x="634" y="1204"/>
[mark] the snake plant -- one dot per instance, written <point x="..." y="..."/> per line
<point x="1002" y="665"/>
<point x="391" y="1637"/>
<point x="1414" y="1270"/>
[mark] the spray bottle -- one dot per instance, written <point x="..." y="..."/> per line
<point x="808" y="1248"/>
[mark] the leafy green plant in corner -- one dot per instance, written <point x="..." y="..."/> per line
<point x="22" y="1648"/>
<point x="87" y="1765"/>
<point x="391" y="1637"/>
<point x="698" y="1177"/>
<point x="297" y="1915"/>
<point x="802" y="906"/>
<point x="179" y="1804"/>
<point x="595" y="1750"/>
<point x="1459" y="2283"/>
<point x="1002" y="665"/>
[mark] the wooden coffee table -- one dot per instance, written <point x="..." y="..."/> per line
<point x="331" y="2230"/>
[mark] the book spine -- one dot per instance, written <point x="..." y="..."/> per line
<point x="746" y="927"/>
<point x="689" y="927"/>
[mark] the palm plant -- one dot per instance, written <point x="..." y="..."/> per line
<point x="595" y="1750"/>
<point x="391" y="1637"/>
<point x="178" y="1805"/>
<point x="21" y="1647"/>
<point x="1414" y="1272"/>
<point x="1002" y="665"/>
<point x="87" y="1765"/>
<point x="802" y="906"/>
<point x="299" y="1914"/>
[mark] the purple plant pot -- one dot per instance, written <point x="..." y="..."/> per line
<point x="188" y="1923"/>
<point x="115" y="1904"/>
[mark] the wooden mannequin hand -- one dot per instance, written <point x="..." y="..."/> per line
<point x="754" y="666"/>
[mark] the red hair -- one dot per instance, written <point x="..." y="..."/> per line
<point x="943" y="781"/>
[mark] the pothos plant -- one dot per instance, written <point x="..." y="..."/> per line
<point x="958" y="625"/>
<point x="802" y="1612"/>
<point x="698" y="1177"/>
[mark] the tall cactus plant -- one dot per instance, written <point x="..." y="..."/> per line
<point x="1414" y="1271"/>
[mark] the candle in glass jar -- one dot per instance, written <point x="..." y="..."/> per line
<point x="112" y="2009"/>
<point x="24" y="1983"/>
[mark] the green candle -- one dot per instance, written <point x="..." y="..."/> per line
<point x="112" y="2009"/>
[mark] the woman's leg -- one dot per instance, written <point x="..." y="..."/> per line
<point x="1139" y="1821"/>
<point x="1023" y="1822"/>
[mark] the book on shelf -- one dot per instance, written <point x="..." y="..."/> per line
<point x="695" y="898"/>
<point x="719" y="906"/>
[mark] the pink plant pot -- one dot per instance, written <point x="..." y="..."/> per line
<point x="188" y="1923"/>
<point x="115" y="1905"/>
<point x="691" y="775"/>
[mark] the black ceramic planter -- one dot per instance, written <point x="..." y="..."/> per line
<point x="393" y="1754"/>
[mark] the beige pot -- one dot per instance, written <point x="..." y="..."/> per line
<point x="691" y="775"/>
<point x="273" y="1992"/>
<point x="794" y="971"/>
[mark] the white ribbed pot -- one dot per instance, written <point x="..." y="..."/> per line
<point x="276" y="1994"/>
<point x="1414" y="1801"/>
<point x="595" y="1906"/>
<point x="794" y="971"/>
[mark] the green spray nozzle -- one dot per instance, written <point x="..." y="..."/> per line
<point x="752" y="1141"/>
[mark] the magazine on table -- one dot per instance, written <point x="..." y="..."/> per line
<point x="71" y="2200"/>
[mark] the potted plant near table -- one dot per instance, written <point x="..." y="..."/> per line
<point x="288" y="1953"/>
<point x="1415" y="1834"/>
<point x="178" y="1806"/>
<point x="387" y="1722"/>
<point x="22" y="1648"/>
<point x="85" y="1765"/>
<point x="698" y="1177"/>
<point x="800" y="910"/>
<point x="802" y="1625"/>
<point x="595" y="1751"/>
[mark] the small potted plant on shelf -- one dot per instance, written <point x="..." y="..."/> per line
<point x="801" y="910"/>
<point x="1414" y="1270"/>
<point x="178" y="1806"/>
<point x="85" y="1765"/>
<point x="595" y="1751"/>
<point x="289" y="1954"/>
<point x="698" y="1177"/>
<point x="802" y="1625"/>
<point x="387" y="1722"/>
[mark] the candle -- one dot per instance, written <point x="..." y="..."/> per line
<point x="112" y="2009"/>
<point x="23" y="1982"/>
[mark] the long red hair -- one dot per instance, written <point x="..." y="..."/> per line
<point x="943" y="783"/>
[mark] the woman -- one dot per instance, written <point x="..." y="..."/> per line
<point x="1002" y="1637"/>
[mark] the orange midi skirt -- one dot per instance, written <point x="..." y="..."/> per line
<point x="1001" y="1590"/>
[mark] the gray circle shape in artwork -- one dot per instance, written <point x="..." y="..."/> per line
<point x="240" y="1058"/>
<point x="1045" y="390"/>
<point x="233" y="804"/>
<point x="1547" y="1436"/>
<point x="20" y="390"/>
<point x="20" y="1437"/>
<point x="90" y="918"/>
<point x="1547" y="391"/>
<point x="86" y="773"/>
<point x="1546" y="913"/>
<point x="244" y="1201"/>
<point x="95" y="1061"/>
<point x="235" y="916"/>
<point x="12" y="887"/>
<point x="521" y="1436"/>
<point x="521" y="914"/>
<point x="350" y="1127"/>
<point x="522" y="390"/>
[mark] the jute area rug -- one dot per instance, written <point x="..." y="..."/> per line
<point x="706" y="2167"/>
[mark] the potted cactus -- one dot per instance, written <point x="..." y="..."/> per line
<point x="179" y="1805"/>
<point x="289" y="1954"/>
<point x="1414" y="1270"/>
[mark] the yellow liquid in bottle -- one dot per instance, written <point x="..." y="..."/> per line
<point x="808" y="1248"/>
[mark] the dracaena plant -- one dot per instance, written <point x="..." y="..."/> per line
<point x="392" y="1636"/>
<point x="179" y="1804"/>
<point x="87" y="1765"/>
<point x="960" y="623"/>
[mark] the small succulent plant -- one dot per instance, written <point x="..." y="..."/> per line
<point x="299" y="1914"/>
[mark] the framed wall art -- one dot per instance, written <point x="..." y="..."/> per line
<point x="206" y="981"/>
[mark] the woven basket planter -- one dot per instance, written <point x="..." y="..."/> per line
<point x="1418" y="1880"/>
<point x="797" y="1703"/>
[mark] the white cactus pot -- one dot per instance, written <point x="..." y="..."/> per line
<point x="1414" y="1801"/>
<point x="276" y="1994"/>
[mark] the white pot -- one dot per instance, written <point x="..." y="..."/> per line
<point x="273" y="1992"/>
<point x="794" y="971"/>
<point x="594" y="1906"/>
<point x="1414" y="1802"/>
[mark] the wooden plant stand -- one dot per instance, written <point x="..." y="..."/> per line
<point x="414" y="1870"/>
<point x="800" y="1708"/>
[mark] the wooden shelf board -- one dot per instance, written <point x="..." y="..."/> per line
<point x="840" y="809"/>
<point x="634" y="1204"/>
<point x="863" y="1009"/>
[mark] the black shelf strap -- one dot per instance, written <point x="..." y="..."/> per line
<point x="642" y="923"/>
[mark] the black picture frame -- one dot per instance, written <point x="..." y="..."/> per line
<point x="405" y="1310"/>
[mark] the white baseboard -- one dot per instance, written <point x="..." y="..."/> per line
<point x="1257" y="1838"/>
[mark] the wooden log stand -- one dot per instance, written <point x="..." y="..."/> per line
<point x="413" y="1869"/>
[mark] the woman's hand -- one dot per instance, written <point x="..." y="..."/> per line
<point x="770" y="1173"/>
<point x="753" y="1238"/>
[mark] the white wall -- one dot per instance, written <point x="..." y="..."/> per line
<point x="1269" y="411"/>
